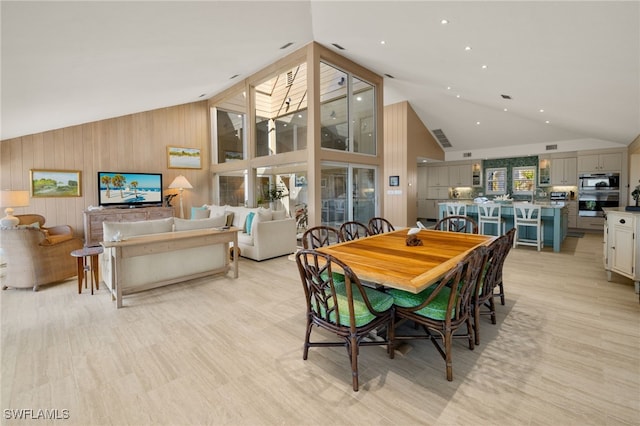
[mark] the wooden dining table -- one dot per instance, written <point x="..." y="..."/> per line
<point x="385" y="259"/>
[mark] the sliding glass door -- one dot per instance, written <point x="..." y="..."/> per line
<point x="348" y="192"/>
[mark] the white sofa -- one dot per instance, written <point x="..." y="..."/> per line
<point x="143" y="255"/>
<point x="270" y="234"/>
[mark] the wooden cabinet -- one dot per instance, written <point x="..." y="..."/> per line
<point x="544" y="171"/>
<point x="572" y="214"/>
<point x="610" y="162"/>
<point x="623" y="253"/>
<point x="93" y="219"/>
<point x="438" y="193"/>
<point x="564" y="171"/>
<point x="433" y="208"/>
<point x="460" y="175"/>
<point x="438" y="176"/>
<point x="422" y="183"/>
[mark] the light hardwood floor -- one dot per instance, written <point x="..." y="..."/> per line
<point x="565" y="351"/>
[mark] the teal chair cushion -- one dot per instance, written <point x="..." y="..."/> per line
<point x="337" y="277"/>
<point x="437" y="309"/>
<point x="379" y="301"/>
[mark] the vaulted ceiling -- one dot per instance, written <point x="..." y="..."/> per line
<point x="571" y="69"/>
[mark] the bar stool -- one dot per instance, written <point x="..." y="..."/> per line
<point x="526" y="216"/>
<point x="456" y="209"/>
<point x="491" y="213"/>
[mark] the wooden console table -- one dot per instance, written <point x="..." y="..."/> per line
<point x="93" y="220"/>
<point x="167" y="242"/>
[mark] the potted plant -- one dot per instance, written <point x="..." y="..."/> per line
<point x="636" y="196"/>
<point x="275" y="194"/>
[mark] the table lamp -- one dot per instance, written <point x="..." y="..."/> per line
<point x="11" y="199"/>
<point x="180" y="183"/>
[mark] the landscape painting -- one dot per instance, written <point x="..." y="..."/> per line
<point x="56" y="183"/>
<point x="183" y="158"/>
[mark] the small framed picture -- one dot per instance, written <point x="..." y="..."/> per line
<point x="55" y="183"/>
<point x="183" y="158"/>
<point x="394" y="180"/>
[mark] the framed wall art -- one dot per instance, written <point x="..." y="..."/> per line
<point x="55" y="183"/>
<point x="394" y="180"/>
<point x="183" y="158"/>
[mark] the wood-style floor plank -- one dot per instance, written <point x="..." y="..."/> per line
<point x="565" y="350"/>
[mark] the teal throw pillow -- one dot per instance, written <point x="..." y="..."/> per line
<point x="249" y="222"/>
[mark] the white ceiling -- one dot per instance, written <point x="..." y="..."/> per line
<point x="67" y="63"/>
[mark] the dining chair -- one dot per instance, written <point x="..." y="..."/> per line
<point x="526" y="217"/>
<point x="320" y="236"/>
<point x="483" y="296"/>
<point x="379" y="225"/>
<point x="464" y="224"/>
<point x="441" y="309"/>
<point x="455" y="209"/>
<point x="499" y="284"/>
<point x="348" y="309"/>
<point x="352" y="230"/>
<point x="491" y="214"/>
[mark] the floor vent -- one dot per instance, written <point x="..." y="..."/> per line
<point x="439" y="134"/>
<point x="551" y="147"/>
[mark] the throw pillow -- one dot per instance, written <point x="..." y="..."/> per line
<point x="200" y="213"/>
<point x="191" y="224"/>
<point x="249" y="222"/>
<point x="279" y="214"/>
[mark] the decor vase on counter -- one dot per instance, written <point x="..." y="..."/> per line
<point x="636" y="196"/>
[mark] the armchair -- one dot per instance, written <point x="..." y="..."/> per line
<point x="36" y="255"/>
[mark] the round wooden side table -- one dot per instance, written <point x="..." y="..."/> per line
<point x="87" y="264"/>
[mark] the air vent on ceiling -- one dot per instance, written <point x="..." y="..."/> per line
<point x="389" y="76"/>
<point x="289" y="78"/>
<point x="505" y="96"/>
<point x="551" y="147"/>
<point x="466" y="155"/>
<point x="337" y="46"/>
<point x="286" y="45"/>
<point x="439" y="134"/>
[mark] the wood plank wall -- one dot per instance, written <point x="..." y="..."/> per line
<point x="131" y="143"/>
<point x="406" y="139"/>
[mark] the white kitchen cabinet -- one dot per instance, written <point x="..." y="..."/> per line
<point x="572" y="213"/>
<point x="623" y="251"/>
<point x="610" y="162"/>
<point x="460" y="175"/>
<point x="564" y="171"/>
<point x="437" y="192"/>
<point x="422" y="183"/>
<point x="423" y="208"/>
<point x="438" y="176"/>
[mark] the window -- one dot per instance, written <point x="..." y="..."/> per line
<point x="524" y="179"/>
<point x="497" y="181"/>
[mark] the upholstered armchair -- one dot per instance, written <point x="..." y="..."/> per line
<point x="37" y="255"/>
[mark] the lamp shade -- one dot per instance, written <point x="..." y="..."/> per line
<point x="180" y="182"/>
<point x="11" y="199"/>
<point x="14" y="198"/>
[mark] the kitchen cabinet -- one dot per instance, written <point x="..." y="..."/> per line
<point x="564" y="171"/>
<point x="621" y="237"/>
<point x="423" y="183"/>
<point x="433" y="208"/>
<point x="460" y="175"/>
<point x="438" y="176"/>
<point x="437" y="193"/>
<point x="572" y="213"/>
<point x="591" y="222"/>
<point x="544" y="171"/>
<point x="610" y="162"/>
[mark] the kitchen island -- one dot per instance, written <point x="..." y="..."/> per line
<point x="554" y="216"/>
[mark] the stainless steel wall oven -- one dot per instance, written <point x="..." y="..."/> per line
<point x="597" y="190"/>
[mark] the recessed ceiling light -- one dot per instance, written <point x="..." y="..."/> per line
<point x="477" y="123"/>
<point x="541" y="110"/>
<point x="444" y="21"/>
<point x="448" y="87"/>
<point x="505" y="110"/>
<point x="484" y="67"/>
<point x="299" y="115"/>
<point x="359" y="98"/>
<point x="457" y="96"/>
<point x="548" y="122"/>
<point x="467" y="48"/>
<point x="382" y="42"/>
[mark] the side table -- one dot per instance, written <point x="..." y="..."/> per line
<point x="89" y="265"/>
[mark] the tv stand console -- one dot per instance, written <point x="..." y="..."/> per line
<point x="93" y="219"/>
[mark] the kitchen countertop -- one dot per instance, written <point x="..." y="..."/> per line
<point x="548" y="204"/>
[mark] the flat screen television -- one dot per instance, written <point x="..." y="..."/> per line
<point x="129" y="189"/>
